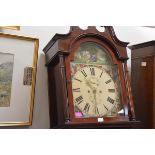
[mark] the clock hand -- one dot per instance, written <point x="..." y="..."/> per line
<point x="88" y="84"/>
<point x="95" y="103"/>
<point x="93" y="83"/>
<point x="94" y="90"/>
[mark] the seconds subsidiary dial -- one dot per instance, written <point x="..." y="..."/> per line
<point x="94" y="92"/>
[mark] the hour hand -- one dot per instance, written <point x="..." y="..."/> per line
<point x="89" y="84"/>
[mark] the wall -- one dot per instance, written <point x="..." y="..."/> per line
<point x="130" y="34"/>
<point x="134" y="35"/>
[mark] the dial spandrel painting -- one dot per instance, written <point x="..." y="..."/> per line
<point x="6" y="72"/>
<point x="95" y="83"/>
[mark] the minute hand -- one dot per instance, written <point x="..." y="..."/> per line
<point x="94" y="90"/>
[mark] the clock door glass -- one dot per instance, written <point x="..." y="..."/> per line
<point x="95" y="83"/>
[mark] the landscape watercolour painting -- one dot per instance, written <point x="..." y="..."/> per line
<point x="6" y="73"/>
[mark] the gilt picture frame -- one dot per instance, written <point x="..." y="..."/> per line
<point x="18" y="66"/>
<point x="11" y="27"/>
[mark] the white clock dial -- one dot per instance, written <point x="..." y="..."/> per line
<point x="94" y="91"/>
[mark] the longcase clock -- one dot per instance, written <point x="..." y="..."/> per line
<point x="88" y="80"/>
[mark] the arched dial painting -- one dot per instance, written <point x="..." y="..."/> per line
<point x="88" y="80"/>
<point x="95" y="83"/>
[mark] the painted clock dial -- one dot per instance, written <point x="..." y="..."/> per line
<point x="95" y="83"/>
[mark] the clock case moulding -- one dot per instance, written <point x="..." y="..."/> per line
<point x="58" y="53"/>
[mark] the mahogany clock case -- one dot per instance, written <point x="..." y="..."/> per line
<point x="60" y="52"/>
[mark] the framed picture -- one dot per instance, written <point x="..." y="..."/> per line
<point x="18" y="65"/>
<point x="11" y="27"/>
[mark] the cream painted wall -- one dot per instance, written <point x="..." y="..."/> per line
<point x="130" y="34"/>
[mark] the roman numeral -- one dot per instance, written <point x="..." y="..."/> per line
<point x="105" y="107"/>
<point x="79" y="99"/>
<point x="77" y="79"/>
<point x="92" y="70"/>
<point x="111" y="90"/>
<point x="109" y="99"/>
<point x="84" y="73"/>
<point x="101" y="74"/>
<point x="86" y="108"/>
<point x="76" y="90"/>
<point x="108" y="81"/>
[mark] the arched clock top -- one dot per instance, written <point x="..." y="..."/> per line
<point x="64" y="42"/>
<point x="108" y="30"/>
<point x="107" y="37"/>
<point x="101" y="41"/>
